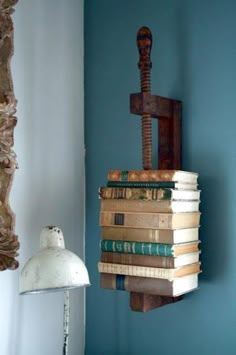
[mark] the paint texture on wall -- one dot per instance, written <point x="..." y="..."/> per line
<point x="193" y="58"/>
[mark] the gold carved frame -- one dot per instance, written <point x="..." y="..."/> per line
<point x="9" y="243"/>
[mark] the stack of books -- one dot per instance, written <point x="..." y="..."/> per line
<point x="150" y="232"/>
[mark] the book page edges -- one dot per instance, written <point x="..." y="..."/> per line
<point x="141" y="271"/>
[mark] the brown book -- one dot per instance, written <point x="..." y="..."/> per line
<point x="144" y="271"/>
<point x="149" y="260"/>
<point x="117" y="205"/>
<point x="147" y="194"/>
<point x="148" y="285"/>
<point x="167" y="236"/>
<point x="150" y="220"/>
<point x="152" y="175"/>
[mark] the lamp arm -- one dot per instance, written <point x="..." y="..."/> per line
<point x="66" y="321"/>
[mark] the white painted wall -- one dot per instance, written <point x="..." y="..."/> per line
<point x="48" y="188"/>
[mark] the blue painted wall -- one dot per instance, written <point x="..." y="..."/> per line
<point x="194" y="60"/>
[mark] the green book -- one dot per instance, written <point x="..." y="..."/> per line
<point x="153" y="184"/>
<point x="123" y="183"/>
<point x="143" y="248"/>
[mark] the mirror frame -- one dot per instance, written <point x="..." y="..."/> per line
<point x="9" y="243"/>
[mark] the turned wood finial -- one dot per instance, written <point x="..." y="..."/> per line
<point x="144" y="43"/>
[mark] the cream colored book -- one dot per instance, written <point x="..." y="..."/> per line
<point x="167" y="236"/>
<point x="147" y="194"/>
<point x="118" y="205"/>
<point x="152" y="272"/>
<point x="150" y="220"/>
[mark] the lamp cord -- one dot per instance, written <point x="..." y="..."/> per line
<point x="66" y="321"/>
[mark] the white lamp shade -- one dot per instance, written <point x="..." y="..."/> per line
<point x="53" y="268"/>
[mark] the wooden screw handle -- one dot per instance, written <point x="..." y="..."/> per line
<point x="144" y="43"/>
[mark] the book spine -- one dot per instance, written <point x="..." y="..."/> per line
<point x="113" y="205"/>
<point x="138" y="220"/>
<point x="159" y="287"/>
<point x="138" y="234"/>
<point x="150" y="220"/>
<point x="140" y="260"/>
<point x="136" y="248"/>
<point x="140" y="175"/>
<point x="152" y="175"/>
<point x="116" y="205"/>
<point x="134" y="270"/>
<point x="166" y="236"/>
<point x="145" y="194"/>
<point x="142" y="184"/>
<point x="152" y="272"/>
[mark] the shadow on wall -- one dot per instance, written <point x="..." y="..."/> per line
<point x="215" y="219"/>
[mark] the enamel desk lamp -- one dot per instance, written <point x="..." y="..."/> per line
<point x="54" y="268"/>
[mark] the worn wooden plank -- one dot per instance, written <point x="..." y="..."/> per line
<point x="141" y="302"/>
<point x="169" y="139"/>
<point x="156" y="106"/>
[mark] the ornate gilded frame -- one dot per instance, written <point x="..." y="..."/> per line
<point x="9" y="243"/>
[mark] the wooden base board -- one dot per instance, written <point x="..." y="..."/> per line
<point x="141" y="302"/>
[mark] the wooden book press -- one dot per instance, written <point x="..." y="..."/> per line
<point x="168" y="113"/>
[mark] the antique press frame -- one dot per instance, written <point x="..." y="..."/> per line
<point x="9" y="243"/>
<point x="169" y="115"/>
